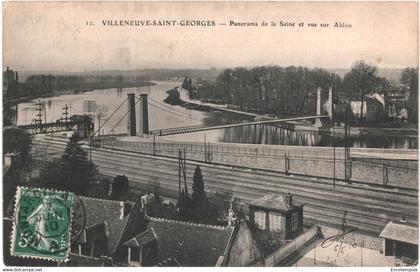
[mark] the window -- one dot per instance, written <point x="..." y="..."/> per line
<point x="275" y="221"/>
<point x="86" y="249"/>
<point x="295" y="221"/>
<point x="135" y="254"/>
<point x="260" y="219"/>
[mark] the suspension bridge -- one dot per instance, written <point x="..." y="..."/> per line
<point x="188" y="129"/>
<point x="132" y="100"/>
<point x="184" y="118"/>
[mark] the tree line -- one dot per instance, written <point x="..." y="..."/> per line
<point x="292" y="90"/>
<point x="44" y="84"/>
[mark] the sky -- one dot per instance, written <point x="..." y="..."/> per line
<point x="57" y="36"/>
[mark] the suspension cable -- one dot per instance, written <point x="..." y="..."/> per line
<point x="162" y="104"/>
<point x="175" y="113"/>
<point x="112" y="114"/>
<point x="124" y="115"/>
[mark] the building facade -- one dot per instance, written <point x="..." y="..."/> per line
<point x="277" y="213"/>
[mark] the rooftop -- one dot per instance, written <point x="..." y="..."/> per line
<point x="110" y="212"/>
<point x="400" y="232"/>
<point x="82" y="260"/>
<point x="141" y="239"/>
<point x="94" y="232"/>
<point x="191" y="244"/>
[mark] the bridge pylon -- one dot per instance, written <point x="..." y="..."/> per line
<point x="131" y="125"/>
<point x="144" y="115"/>
<point x="318" y="107"/>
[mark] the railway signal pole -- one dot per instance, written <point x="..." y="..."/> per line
<point x="347" y="161"/>
<point x="205" y="149"/>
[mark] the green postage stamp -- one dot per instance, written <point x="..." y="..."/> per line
<point x="42" y="224"/>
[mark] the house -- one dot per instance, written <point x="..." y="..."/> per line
<point x="116" y="233"/>
<point x="277" y="213"/>
<point x="400" y="240"/>
<point x="243" y="249"/>
<point x="373" y="107"/>
<point x="395" y="101"/>
<point x="191" y="244"/>
<point x="110" y="226"/>
<point x="142" y="249"/>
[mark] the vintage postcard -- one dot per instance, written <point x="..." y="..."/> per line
<point x="210" y="134"/>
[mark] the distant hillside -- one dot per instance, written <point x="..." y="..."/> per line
<point x="149" y="74"/>
<point x="392" y="75"/>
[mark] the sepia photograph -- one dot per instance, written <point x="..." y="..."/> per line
<point x="210" y="134"/>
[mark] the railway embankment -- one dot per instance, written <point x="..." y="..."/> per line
<point x="380" y="167"/>
<point x="368" y="208"/>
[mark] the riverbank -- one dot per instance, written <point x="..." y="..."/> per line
<point x="74" y="90"/>
<point x="408" y="131"/>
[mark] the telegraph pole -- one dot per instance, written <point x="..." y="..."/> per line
<point x="334" y="155"/>
<point x="179" y="175"/>
<point x="65" y="113"/>
<point x="38" y="120"/>
<point x="90" y="147"/>
<point x="185" y="173"/>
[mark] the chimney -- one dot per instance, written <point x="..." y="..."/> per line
<point x="122" y="210"/>
<point x="145" y="199"/>
<point x="288" y="199"/>
<point x="231" y="215"/>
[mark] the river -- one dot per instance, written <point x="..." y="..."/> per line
<point x="162" y="115"/>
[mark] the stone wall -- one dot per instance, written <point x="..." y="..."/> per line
<point x="311" y="161"/>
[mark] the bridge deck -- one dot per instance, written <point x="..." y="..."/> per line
<point x="54" y="127"/>
<point x="188" y="129"/>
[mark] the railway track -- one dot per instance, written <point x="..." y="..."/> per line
<point x="369" y="209"/>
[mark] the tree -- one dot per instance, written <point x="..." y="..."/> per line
<point x="342" y="112"/>
<point x="9" y="114"/>
<point x="359" y="82"/>
<point x="271" y="89"/>
<point x="199" y="199"/>
<point x="410" y="77"/>
<point x="185" y="83"/>
<point x="16" y="140"/>
<point x="120" y="188"/>
<point x="218" y="208"/>
<point x="190" y="88"/>
<point x="184" y="206"/>
<point x="19" y="142"/>
<point x="73" y="171"/>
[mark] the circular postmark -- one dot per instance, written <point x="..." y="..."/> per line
<point x="48" y="221"/>
<point x="78" y="222"/>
